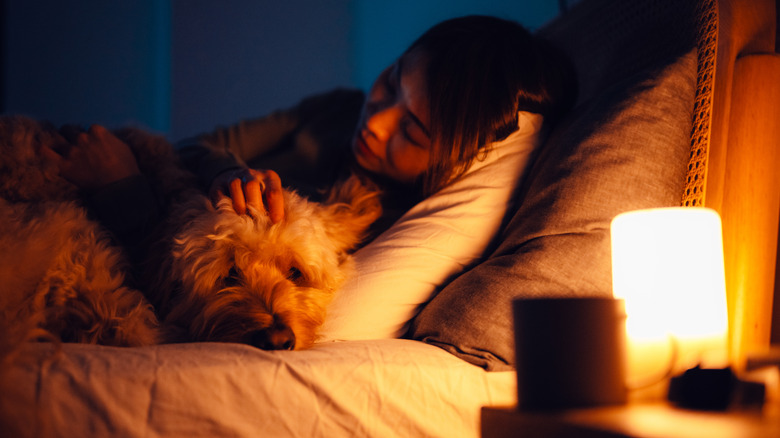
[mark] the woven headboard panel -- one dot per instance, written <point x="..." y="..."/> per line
<point x="706" y="47"/>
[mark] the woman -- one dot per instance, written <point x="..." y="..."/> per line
<point x="428" y="116"/>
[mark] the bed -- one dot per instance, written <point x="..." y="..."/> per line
<point x="677" y="104"/>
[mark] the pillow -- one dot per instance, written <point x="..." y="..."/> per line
<point x="627" y="148"/>
<point x="435" y="240"/>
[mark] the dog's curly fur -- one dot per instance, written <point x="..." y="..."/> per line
<point x="242" y="279"/>
<point x="211" y="274"/>
<point x="61" y="277"/>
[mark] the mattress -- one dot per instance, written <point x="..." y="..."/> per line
<point x="379" y="388"/>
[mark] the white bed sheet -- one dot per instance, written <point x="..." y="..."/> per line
<point x="381" y="388"/>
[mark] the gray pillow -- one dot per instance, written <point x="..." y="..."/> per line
<point x="624" y="149"/>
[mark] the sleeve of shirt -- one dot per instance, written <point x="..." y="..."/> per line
<point x="226" y="148"/>
<point x="208" y="155"/>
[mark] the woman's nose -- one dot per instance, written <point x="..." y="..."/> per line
<point x="383" y="123"/>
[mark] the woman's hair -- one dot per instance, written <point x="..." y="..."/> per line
<point x="481" y="71"/>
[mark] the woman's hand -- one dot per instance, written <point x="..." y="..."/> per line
<point x="93" y="158"/>
<point x="259" y="189"/>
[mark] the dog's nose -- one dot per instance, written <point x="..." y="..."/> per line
<point x="276" y="337"/>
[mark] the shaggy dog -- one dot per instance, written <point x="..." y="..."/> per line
<point x="241" y="278"/>
<point x="61" y="277"/>
<point x="211" y="274"/>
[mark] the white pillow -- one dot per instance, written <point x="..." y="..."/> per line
<point x="430" y="244"/>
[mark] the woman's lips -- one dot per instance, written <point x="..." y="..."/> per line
<point x="363" y="149"/>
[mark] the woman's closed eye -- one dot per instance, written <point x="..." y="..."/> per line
<point x="412" y="133"/>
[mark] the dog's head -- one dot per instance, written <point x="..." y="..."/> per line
<point x="244" y="279"/>
<point x="27" y="175"/>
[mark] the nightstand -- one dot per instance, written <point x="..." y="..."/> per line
<point x="639" y="420"/>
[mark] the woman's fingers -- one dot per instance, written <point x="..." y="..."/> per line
<point x="273" y="196"/>
<point x="237" y="195"/>
<point x="259" y="190"/>
<point x="254" y="195"/>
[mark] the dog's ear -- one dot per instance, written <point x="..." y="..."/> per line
<point x="353" y="205"/>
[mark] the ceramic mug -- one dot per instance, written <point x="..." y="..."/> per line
<point x="570" y="352"/>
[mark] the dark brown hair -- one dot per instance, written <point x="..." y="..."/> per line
<point x="480" y="72"/>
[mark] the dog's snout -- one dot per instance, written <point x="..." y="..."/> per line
<point x="277" y="337"/>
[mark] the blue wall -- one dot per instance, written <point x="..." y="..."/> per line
<point x="88" y="61"/>
<point x="235" y="59"/>
<point x="180" y="67"/>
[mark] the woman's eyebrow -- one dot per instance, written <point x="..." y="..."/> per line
<point x="416" y="120"/>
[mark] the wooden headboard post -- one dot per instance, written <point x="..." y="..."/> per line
<point x="743" y="179"/>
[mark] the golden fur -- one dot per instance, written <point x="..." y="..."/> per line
<point x="211" y="274"/>
<point x="240" y="278"/>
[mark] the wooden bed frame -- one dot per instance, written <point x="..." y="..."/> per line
<point x="737" y="138"/>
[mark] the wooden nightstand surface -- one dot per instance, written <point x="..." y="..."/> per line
<point x="632" y="420"/>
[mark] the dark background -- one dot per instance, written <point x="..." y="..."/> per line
<point x="180" y="67"/>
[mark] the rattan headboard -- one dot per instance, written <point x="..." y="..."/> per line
<point x="706" y="47"/>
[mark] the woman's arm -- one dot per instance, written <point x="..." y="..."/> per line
<point x="228" y="148"/>
<point x="218" y="159"/>
<point x="290" y="141"/>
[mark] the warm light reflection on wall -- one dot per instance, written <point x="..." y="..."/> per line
<point x="668" y="267"/>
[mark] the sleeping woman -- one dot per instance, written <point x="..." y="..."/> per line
<point x="455" y="91"/>
<point x="452" y="95"/>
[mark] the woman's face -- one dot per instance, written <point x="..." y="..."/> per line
<point x="392" y="138"/>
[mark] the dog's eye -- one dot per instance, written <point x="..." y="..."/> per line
<point x="294" y="274"/>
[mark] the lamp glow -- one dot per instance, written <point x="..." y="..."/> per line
<point x="667" y="264"/>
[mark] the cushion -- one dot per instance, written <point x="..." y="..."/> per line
<point x="435" y="240"/>
<point x="625" y="148"/>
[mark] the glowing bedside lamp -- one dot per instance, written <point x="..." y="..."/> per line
<point x="668" y="267"/>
